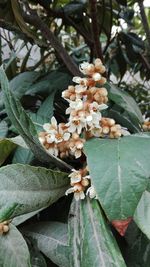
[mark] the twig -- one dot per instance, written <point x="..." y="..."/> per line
<point x="7" y="26"/>
<point x="95" y="29"/>
<point x="32" y="18"/>
<point x="144" y="20"/>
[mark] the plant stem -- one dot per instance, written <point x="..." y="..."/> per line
<point x="144" y="20"/>
<point x="31" y="17"/>
<point x="95" y="29"/>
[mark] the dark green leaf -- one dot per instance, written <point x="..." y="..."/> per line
<point x="52" y="240"/>
<point x="142" y="214"/>
<point x="125" y="101"/>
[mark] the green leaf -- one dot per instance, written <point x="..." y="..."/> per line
<point x="51" y="239"/>
<point x="21" y="83"/>
<point x="3" y="129"/>
<point x="142" y="214"/>
<point x="24" y="188"/>
<point x="119" y="171"/>
<point x="25" y="126"/>
<point x="14" y="251"/>
<point x="125" y="101"/>
<point x="6" y="147"/>
<point x="22" y="155"/>
<point x="91" y="241"/>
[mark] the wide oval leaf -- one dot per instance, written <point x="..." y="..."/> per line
<point x="119" y="171"/>
<point x="24" y="188"/>
<point x="14" y="251"/>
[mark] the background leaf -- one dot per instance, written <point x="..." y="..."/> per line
<point x="125" y="101"/>
<point x="51" y="239"/>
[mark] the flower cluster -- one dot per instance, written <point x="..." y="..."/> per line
<point x="146" y="125"/>
<point x="87" y="98"/>
<point x="80" y="181"/>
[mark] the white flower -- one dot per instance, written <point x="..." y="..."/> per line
<point x="91" y="192"/>
<point x="50" y="138"/>
<point x="93" y="119"/>
<point x="50" y="127"/>
<point x="76" y="124"/>
<point x="61" y="135"/>
<point x="75" y="176"/>
<point x="74" y="105"/>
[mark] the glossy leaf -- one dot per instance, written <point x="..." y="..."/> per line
<point x="121" y="179"/>
<point x="14" y="251"/>
<point x="91" y="241"/>
<point x="51" y="239"/>
<point x="24" y="188"/>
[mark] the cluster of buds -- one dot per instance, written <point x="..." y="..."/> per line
<point x="146" y="125"/>
<point x="4" y="227"/>
<point x="58" y="141"/>
<point x="86" y="101"/>
<point x="80" y="182"/>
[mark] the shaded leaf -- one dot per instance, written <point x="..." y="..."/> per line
<point x="22" y="155"/>
<point x="125" y="101"/>
<point x="14" y="251"/>
<point x="51" y="239"/>
<point x="142" y="214"/>
<point x="3" y="129"/>
<point x="25" y="188"/>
